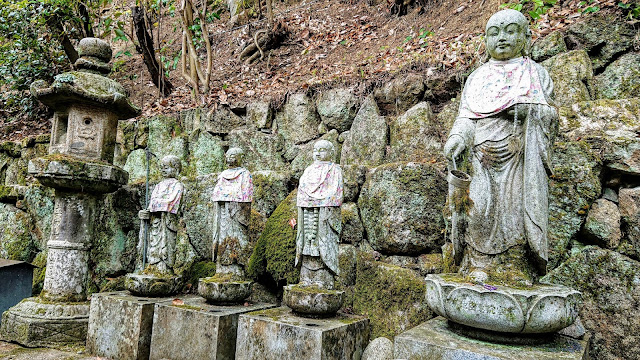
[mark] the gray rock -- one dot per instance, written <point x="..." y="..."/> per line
<point x="401" y="208"/>
<point x="548" y="46"/>
<point x="575" y="330"/>
<point x="39" y="204"/>
<point x="366" y="142"/>
<point x="448" y="114"/>
<point x="352" y="228"/>
<point x="347" y="259"/>
<point x="610" y="286"/>
<point x="379" y="349"/>
<point x="298" y="122"/>
<point x="610" y="194"/>
<point x="270" y="189"/>
<point x="197" y="219"/>
<point x="602" y="225"/>
<point x="16" y="240"/>
<point x="621" y="79"/>
<point x="194" y="119"/>
<point x="354" y="176"/>
<point x="337" y="108"/>
<point x="630" y="212"/>
<point x="604" y="36"/>
<point x="207" y="153"/>
<point x="572" y="76"/>
<point x="259" y="114"/>
<point x="400" y="94"/>
<point x="416" y="135"/>
<point x="222" y="121"/>
<point x="261" y="151"/>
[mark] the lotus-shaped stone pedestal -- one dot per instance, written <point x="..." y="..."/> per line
<point x="152" y="285"/>
<point x="312" y="301"/>
<point x="218" y="290"/>
<point x="540" y="309"/>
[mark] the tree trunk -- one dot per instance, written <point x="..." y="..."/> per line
<point x="145" y="47"/>
<point x="54" y="24"/>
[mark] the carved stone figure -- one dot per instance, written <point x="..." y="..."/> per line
<point x="319" y="219"/>
<point x="506" y="121"/>
<point x="232" y="197"/>
<point x="163" y="219"/>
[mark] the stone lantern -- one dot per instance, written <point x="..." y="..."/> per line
<point x="87" y="106"/>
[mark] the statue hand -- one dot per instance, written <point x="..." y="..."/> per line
<point x="144" y="214"/>
<point x="454" y="147"/>
<point x="523" y="111"/>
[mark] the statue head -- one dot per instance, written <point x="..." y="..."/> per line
<point x="507" y="35"/>
<point x="170" y="166"/>
<point x="323" y="150"/>
<point x="234" y="157"/>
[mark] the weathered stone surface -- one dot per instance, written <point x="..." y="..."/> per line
<point x="269" y="189"/>
<point x="39" y="204"/>
<point x="401" y="208"/>
<point x="365" y="143"/>
<point x="353" y="177"/>
<point x="610" y="286"/>
<point x="304" y="152"/>
<point x="435" y="340"/>
<point x="572" y="77"/>
<point x="298" y="122"/>
<point x="538" y="309"/>
<point x="337" y="108"/>
<point x="259" y="114"/>
<point x="312" y="301"/>
<point x="447" y="116"/>
<point x="416" y="135"/>
<point x="223" y="292"/>
<point x="548" y="46"/>
<point x="603" y="36"/>
<point x="120" y="325"/>
<point x="602" y="226"/>
<point x="574" y="185"/>
<point x="207" y="153"/>
<point x="400" y="94"/>
<point x="196" y="330"/>
<point x="621" y="79"/>
<point x="630" y="212"/>
<point x="431" y="264"/>
<point x="67" y="173"/>
<point x="347" y="257"/>
<point x="379" y="349"/>
<point x="17" y="352"/>
<point x="152" y="285"/>
<point x="197" y="198"/>
<point x="222" y="121"/>
<point x="375" y="296"/>
<point x="16" y="239"/>
<point x="276" y="334"/>
<point x="34" y="322"/>
<point x="352" y="228"/>
<point x="261" y="151"/>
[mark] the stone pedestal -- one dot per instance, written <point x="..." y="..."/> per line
<point x="277" y="334"/>
<point x="35" y="322"/>
<point x="435" y="340"/>
<point x="120" y="325"/>
<point x="197" y="330"/>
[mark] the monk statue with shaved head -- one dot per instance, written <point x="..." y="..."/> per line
<point x="504" y="128"/>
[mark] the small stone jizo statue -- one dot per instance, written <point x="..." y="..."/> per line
<point x="163" y="219"/>
<point x="232" y="197"/>
<point x="506" y="122"/>
<point x="319" y="199"/>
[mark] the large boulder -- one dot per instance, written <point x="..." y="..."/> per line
<point x="222" y="121"/>
<point x="270" y="188"/>
<point x="352" y="228"/>
<point x="353" y="177"/>
<point x="630" y="211"/>
<point x="379" y="349"/>
<point x="207" y="153"/>
<point x="401" y="208"/>
<point x="548" y="46"/>
<point x="416" y="135"/>
<point x="197" y="209"/>
<point x="260" y="114"/>
<point x="337" y="108"/>
<point x="390" y="296"/>
<point x="447" y="116"/>
<point x="610" y="286"/>
<point x="298" y="122"/>
<point x="366" y="142"/>
<point x="602" y="226"/>
<point x="621" y="79"/>
<point x="17" y="242"/>
<point x="38" y="201"/>
<point x="574" y="185"/>
<point x="261" y="151"/>
<point x="603" y="36"/>
<point x="572" y="76"/>
<point x="400" y="94"/>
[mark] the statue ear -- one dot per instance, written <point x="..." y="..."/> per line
<point x="526" y="50"/>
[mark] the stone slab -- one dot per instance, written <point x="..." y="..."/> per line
<point x="277" y="334"/>
<point x="434" y="340"/>
<point x="120" y="325"/>
<point x="34" y="323"/>
<point x="197" y="330"/>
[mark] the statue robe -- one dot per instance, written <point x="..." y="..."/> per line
<point x="510" y="157"/>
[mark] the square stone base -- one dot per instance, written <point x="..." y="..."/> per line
<point x="278" y="334"/>
<point x="120" y="325"/>
<point x="197" y="330"/>
<point x="434" y="340"/>
<point x="36" y="323"/>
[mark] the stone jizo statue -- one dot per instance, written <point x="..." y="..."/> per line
<point x="506" y="122"/>
<point x="319" y="199"/>
<point x="162" y="217"/>
<point x="232" y="197"/>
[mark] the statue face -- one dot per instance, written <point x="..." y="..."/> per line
<point x="167" y="169"/>
<point x="234" y="157"/>
<point x="506" y="35"/>
<point x="322" y="151"/>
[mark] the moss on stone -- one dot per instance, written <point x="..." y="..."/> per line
<point x="392" y="297"/>
<point x="38" y="273"/>
<point x="198" y="270"/>
<point x="275" y="250"/>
